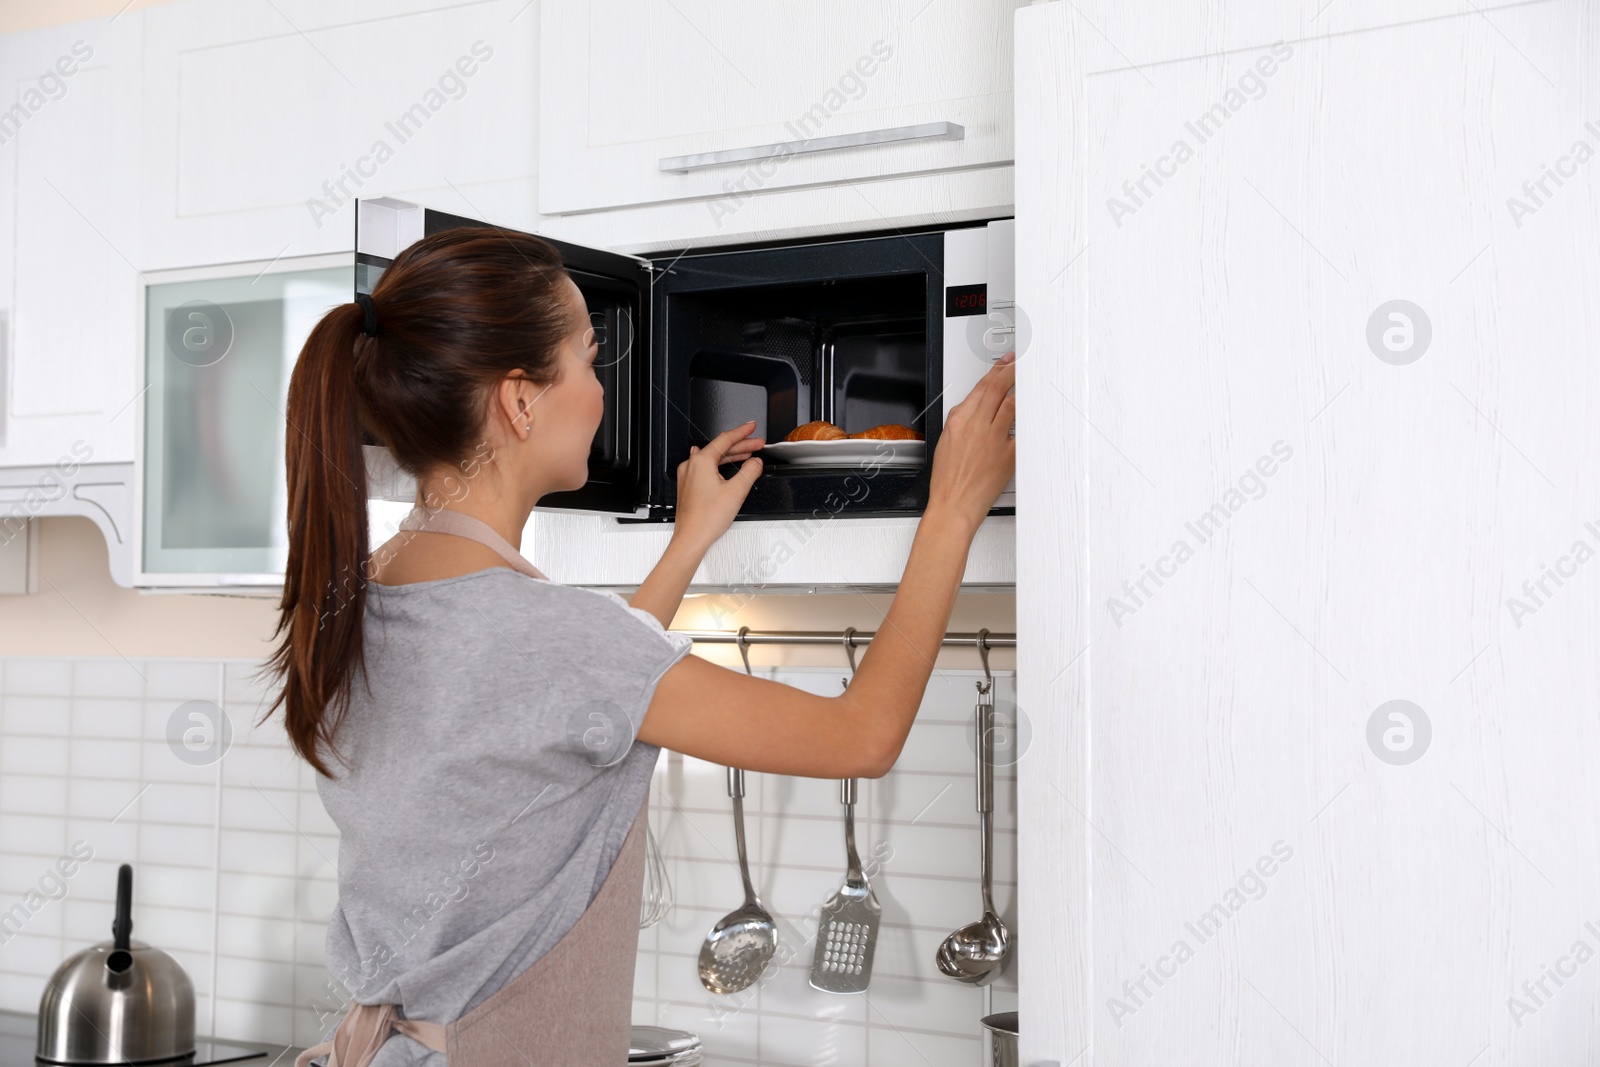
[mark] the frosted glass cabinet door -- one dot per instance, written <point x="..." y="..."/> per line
<point x="218" y="355"/>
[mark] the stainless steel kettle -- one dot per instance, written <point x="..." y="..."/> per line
<point x="117" y="1002"/>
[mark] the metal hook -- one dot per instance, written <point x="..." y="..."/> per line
<point x="850" y="650"/>
<point x="744" y="647"/>
<point x="983" y="657"/>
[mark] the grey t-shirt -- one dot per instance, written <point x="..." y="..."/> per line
<point x="493" y="774"/>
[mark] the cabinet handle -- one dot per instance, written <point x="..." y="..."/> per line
<point x="927" y="131"/>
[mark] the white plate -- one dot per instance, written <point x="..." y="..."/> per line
<point x="691" y="1058"/>
<point x="848" y="452"/>
<point x="649" y="1045"/>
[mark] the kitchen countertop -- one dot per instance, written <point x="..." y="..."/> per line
<point x="18" y="1031"/>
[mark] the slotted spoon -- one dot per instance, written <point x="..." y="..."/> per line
<point x="847" y="933"/>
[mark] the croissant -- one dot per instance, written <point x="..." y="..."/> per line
<point x="816" y="431"/>
<point x="892" y="431"/>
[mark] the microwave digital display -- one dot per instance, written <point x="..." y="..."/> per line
<point x="966" y="300"/>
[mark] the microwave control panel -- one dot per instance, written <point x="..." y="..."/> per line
<point x="979" y="311"/>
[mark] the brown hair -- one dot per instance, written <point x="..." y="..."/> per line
<point x="456" y="312"/>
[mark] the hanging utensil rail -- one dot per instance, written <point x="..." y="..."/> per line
<point x="967" y="639"/>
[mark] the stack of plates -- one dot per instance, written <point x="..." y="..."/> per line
<point x="653" y="1046"/>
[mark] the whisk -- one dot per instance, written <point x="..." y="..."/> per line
<point x="657" y="900"/>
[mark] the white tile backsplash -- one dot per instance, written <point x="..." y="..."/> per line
<point x="32" y="794"/>
<point x="173" y="928"/>
<point x="37" y="953"/>
<point x="40" y="675"/>
<point x="178" y="804"/>
<point x="254" y="852"/>
<point x="234" y="865"/>
<point x="105" y="677"/>
<point x="33" y="755"/>
<point x="94" y="759"/>
<point x="177" y="887"/>
<point x="33" y="834"/>
<point x="248" y="1020"/>
<point x="107" y="718"/>
<point x="251" y="895"/>
<point x="178" y="845"/>
<point x="36" y="716"/>
<point x="178" y="680"/>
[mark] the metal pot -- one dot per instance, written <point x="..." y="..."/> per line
<point x="118" y="1002"/>
<point x="1002" y="1029"/>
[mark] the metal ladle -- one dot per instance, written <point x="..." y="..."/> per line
<point x="975" y="953"/>
<point x="743" y="942"/>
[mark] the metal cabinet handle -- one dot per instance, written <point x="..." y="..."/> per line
<point x="945" y="131"/>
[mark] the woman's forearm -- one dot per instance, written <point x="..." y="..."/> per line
<point x="901" y="657"/>
<point x="662" y="590"/>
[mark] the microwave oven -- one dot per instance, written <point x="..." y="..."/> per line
<point x="859" y="329"/>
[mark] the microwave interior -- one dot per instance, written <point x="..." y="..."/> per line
<point x="853" y="353"/>
<point x="848" y="331"/>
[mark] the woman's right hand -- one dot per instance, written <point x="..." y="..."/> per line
<point x="976" y="455"/>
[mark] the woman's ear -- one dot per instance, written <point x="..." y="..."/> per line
<point x="512" y="402"/>
<point x="517" y="402"/>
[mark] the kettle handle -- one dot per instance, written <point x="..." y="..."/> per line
<point x="122" y="926"/>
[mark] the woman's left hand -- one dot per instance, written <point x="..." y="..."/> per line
<point x="707" y="502"/>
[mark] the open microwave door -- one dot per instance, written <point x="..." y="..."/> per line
<point x="616" y="288"/>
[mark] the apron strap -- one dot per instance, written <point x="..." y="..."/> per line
<point x="459" y="523"/>
<point x="363" y="1029"/>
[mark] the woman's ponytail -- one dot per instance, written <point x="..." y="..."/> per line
<point x="324" y="585"/>
<point x="453" y="315"/>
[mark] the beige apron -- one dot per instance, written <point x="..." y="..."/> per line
<point x="575" y="1004"/>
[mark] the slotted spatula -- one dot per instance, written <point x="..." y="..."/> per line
<point x="847" y="932"/>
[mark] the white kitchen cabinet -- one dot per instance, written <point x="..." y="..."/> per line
<point x="1279" y="501"/>
<point x="627" y="87"/>
<point x="202" y="132"/>
<point x="19" y="558"/>
<point x="103" y="493"/>
<point x="813" y="211"/>
<point x="759" y="555"/>
<point x="265" y="121"/>
<point x="68" y="310"/>
<point x="751" y="558"/>
<point x="220" y="346"/>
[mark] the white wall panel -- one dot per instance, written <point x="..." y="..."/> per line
<point x="1232" y="314"/>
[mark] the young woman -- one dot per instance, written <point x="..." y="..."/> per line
<point x="484" y="737"/>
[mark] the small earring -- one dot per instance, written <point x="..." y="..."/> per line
<point x="529" y="427"/>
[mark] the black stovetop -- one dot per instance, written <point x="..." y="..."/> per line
<point x="19" y="1031"/>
